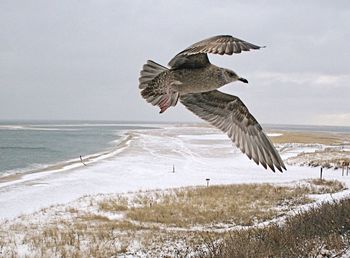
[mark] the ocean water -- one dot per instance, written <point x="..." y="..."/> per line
<point x="26" y="146"/>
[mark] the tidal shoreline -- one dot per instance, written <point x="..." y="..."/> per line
<point x="71" y="164"/>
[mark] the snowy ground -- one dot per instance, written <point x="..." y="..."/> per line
<point x="146" y="161"/>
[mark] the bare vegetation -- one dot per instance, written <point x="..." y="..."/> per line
<point x="303" y="137"/>
<point x="321" y="186"/>
<point x="118" y="203"/>
<point x="179" y="222"/>
<point x="238" y="205"/>
<point x="331" y="157"/>
<point x="322" y="231"/>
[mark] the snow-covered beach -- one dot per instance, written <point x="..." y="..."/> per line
<point x="145" y="160"/>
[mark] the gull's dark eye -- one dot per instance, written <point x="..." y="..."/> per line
<point x="231" y="74"/>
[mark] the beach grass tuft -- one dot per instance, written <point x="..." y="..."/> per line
<point x="228" y="204"/>
<point x="321" y="231"/>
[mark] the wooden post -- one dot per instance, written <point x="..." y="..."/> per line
<point x="208" y="179"/>
<point x="321" y="173"/>
<point x="81" y="159"/>
<point x="342" y="170"/>
<point x="347" y="170"/>
<point x="173" y="168"/>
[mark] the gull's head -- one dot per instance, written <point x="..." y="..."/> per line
<point x="231" y="76"/>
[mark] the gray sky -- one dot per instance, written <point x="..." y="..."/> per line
<point x="69" y="59"/>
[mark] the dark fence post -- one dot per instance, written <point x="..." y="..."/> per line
<point x="208" y="179"/>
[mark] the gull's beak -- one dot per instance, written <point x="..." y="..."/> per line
<point x="243" y="80"/>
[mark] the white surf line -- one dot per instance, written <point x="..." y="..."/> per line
<point x="274" y="134"/>
<point x="69" y="164"/>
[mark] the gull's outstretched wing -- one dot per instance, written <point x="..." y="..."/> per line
<point x="196" y="54"/>
<point x="229" y="114"/>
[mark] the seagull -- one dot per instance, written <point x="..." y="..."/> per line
<point x="193" y="80"/>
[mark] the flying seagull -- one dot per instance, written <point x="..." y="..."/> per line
<point x="194" y="80"/>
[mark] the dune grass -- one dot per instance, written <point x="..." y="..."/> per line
<point x="310" y="137"/>
<point x="321" y="186"/>
<point x="322" y="231"/>
<point x="115" y="204"/>
<point x="174" y="222"/>
<point x="233" y="204"/>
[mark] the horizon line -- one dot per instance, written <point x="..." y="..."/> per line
<point x="151" y="122"/>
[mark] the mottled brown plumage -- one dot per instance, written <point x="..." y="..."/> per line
<point x="194" y="80"/>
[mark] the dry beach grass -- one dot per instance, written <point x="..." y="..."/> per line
<point x="233" y="204"/>
<point x="322" y="231"/>
<point x="175" y="222"/>
<point x="303" y="137"/>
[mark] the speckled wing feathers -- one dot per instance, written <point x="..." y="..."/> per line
<point x="223" y="44"/>
<point x="229" y="114"/>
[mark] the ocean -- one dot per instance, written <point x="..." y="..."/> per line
<point x="33" y="145"/>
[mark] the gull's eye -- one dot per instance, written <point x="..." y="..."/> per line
<point x="231" y="74"/>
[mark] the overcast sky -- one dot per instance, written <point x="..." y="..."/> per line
<point x="69" y="59"/>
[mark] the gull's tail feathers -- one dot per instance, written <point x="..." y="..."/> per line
<point x="155" y="85"/>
